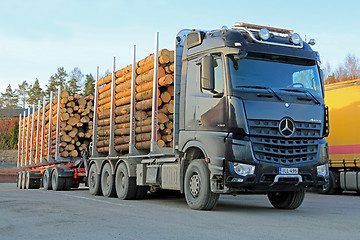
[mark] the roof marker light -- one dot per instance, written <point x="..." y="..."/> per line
<point x="264" y="34"/>
<point x="312" y="42"/>
<point x="295" y="38"/>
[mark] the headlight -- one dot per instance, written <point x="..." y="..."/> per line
<point x="243" y="169"/>
<point x="264" y="34"/>
<point x="295" y="38"/>
<point x="323" y="170"/>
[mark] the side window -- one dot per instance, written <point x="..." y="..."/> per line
<point x="218" y="76"/>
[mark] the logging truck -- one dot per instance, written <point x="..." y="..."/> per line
<point x="344" y="143"/>
<point x="230" y="111"/>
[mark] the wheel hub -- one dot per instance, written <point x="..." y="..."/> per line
<point x="195" y="185"/>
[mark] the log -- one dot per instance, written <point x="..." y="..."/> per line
<point x="64" y="94"/>
<point x="166" y="80"/>
<point x="64" y="116"/>
<point x="73" y="121"/>
<point x="146" y="104"/>
<point x="69" y="147"/>
<point x="145" y="95"/>
<point x="105" y="88"/>
<point x="148" y="76"/>
<point x="144" y="86"/>
<point x="74" y="153"/>
<point x="171" y="90"/>
<point x="165" y="97"/>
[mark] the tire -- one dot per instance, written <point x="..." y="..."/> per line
<point x="287" y="200"/>
<point x="198" y="194"/>
<point x="141" y="192"/>
<point x="28" y="180"/>
<point x="68" y="183"/>
<point x="94" y="181"/>
<point x="57" y="183"/>
<point x="46" y="179"/>
<point x="107" y="181"/>
<point x="125" y="186"/>
<point x="19" y="180"/>
<point x="331" y="187"/>
<point x="23" y="186"/>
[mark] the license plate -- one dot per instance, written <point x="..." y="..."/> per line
<point x="288" y="170"/>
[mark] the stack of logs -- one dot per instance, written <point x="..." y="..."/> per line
<point x="76" y="114"/>
<point x="144" y="89"/>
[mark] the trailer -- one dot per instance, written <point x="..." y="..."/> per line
<point x="344" y="143"/>
<point x="49" y="137"/>
<point x="247" y="116"/>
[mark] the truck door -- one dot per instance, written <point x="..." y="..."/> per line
<point x="211" y="105"/>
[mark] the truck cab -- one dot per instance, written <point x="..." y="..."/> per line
<point x="251" y="109"/>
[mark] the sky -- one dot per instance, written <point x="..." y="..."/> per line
<point x="39" y="36"/>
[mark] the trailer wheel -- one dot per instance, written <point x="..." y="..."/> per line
<point x="23" y="185"/>
<point x="57" y="183"/>
<point x="198" y="194"/>
<point x="287" y="200"/>
<point x="19" y="180"/>
<point x="94" y="181"/>
<point x="68" y="183"/>
<point x="28" y="181"/>
<point x="125" y="185"/>
<point x="47" y="179"/>
<point x="107" y="181"/>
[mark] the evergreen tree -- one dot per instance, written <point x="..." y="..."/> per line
<point x="9" y="98"/>
<point x="89" y="85"/>
<point x="75" y="81"/>
<point x="57" y="80"/>
<point x="35" y="93"/>
<point x="23" y="93"/>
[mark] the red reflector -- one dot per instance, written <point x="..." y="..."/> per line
<point x="207" y="160"/>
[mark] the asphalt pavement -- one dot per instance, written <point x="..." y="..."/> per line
<point x="75" y="214"/>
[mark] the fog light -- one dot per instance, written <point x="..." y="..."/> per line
<point x="243" y="169"/>
<point x="295" y="38"/>
<point x="323" y="170"/>
<point x="264" y="34"/>
<point x="237" y="180"/>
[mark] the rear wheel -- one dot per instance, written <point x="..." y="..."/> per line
<point x="57" y="183"/>
<point x="68" y="183"/>
<point x="198" y="194"/>
<point x="19" y="180"/>
<point x="287" y="200"/>
<point x="107" y="181"/>
<point x="23" y="185"/>
<point x="125" y="185"/>
<point x="141" y="192"/>
<point x="28" y="180"/>
<point x="94" y="181"/>
<point x="47" y="179"/>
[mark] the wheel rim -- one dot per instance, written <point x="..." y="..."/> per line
<point x="92" y="179"/>
<point x="325" y="187"/>
<point x="54" y="181"/>
<point x="195" y="185"/>
<point x="107" y="180"/>
<point x="45" y="179"/>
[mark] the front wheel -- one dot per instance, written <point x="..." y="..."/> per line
<point x="287" y="200"/>
<point x="198" y="194"/>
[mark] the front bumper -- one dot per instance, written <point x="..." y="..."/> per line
<point x="267" y="179"/>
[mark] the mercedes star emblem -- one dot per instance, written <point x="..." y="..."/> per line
<point x="286" y="127"/>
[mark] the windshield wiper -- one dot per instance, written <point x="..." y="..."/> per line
<point x="263" y="87"/>
<point x="301" y="91"/>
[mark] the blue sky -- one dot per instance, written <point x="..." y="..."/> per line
<point x="39" y="36"/>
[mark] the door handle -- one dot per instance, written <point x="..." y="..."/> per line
<point x="200" y="123"/>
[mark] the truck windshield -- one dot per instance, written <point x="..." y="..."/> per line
<point x="276" y="72"/>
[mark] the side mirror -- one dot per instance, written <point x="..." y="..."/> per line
<point x="207" y="73"/>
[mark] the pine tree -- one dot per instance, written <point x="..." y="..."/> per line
<point x="23" y="93"/>
<point x="35" y="93"/>
<point x="9" y="98"/>
<point x="57" y="80"/>
<point x="89" y="85"/>
<point x="75" y="81"/>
